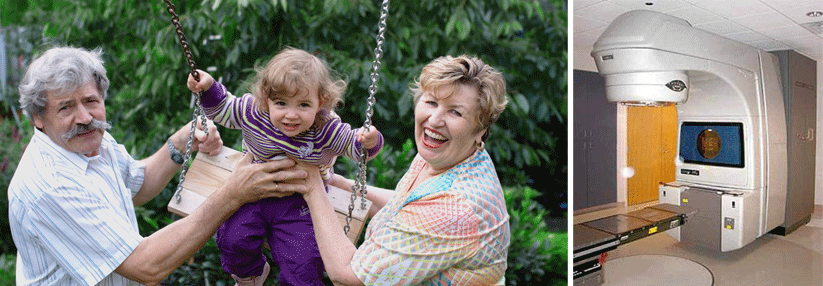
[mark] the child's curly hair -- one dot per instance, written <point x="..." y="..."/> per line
<point x="294" y="71"/>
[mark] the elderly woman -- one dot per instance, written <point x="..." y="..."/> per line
<point x="446" y="222"/>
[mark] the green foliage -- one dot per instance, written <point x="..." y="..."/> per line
<point x="148" y="99"/>
<point x="204" y="266"/>
<point x="7" y="271"/>
<point x="13" y="141"/>
<point x="147" y="68"/>
<point x="536" y="255"/>
<point x="204" y="269"/>
<point x="389" y="167"/>
<point x="386" y="169"/>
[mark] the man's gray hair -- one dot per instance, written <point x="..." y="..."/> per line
<point x="63" y="70"/>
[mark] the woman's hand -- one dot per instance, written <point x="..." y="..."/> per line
<point x="342" y="183"/>
<point x="312" y="182"/>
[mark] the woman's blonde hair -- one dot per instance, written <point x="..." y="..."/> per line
<point x="294" y="71"/>
<point x="449" y="72"/>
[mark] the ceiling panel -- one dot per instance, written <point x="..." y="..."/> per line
<point x="786" y="32"/>
<point x="732" y="8"/>
<point x="659" y="6"/>
<point x="584" y="25"/>
<point x="747" y="37"/>
<point x="766" y="24"/>
<point x="695" y="15"/>
<point x="771" y="45"/>
<point x="789" y="4"/>
<point x="756" y="22"/>
<point x="601" y="12"/>
<point x="584" y="3"/>
<point x="723" y="27"/>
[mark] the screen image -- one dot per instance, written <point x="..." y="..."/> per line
<point x="712" y="143"/>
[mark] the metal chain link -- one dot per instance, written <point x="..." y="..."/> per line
<point x="179" y="29"/>
<point x="360" y="180"/>
<point x="198" y="110"/>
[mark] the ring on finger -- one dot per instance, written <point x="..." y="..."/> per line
<point x="275" y="186"/>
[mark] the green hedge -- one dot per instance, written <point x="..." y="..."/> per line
<point x="148" y="100"/>
<point x="523" y="39"/>
<point x="536" y="255"/>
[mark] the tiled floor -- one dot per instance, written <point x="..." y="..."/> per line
<point x="795" y="259"/>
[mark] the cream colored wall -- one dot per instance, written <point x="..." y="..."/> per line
<point x="583" y="60"/>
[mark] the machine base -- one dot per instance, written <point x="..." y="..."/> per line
<point x="780" y="230"/>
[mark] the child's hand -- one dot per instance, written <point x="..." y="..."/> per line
<point x="368" y="139"/>
<point x="203" y="85"/>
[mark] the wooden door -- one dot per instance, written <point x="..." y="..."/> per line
<point x="651" y="147"/>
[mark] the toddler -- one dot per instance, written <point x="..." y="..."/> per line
<point x="290" y="112"/>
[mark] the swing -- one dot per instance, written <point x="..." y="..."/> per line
<point x="207" y="173"/>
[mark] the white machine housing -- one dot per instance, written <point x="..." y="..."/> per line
<point x="648" y="57"/>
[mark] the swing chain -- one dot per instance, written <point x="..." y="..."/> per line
<point x="179" y="29"/>
<point x="198" y="111"/>
<point x="360" y="181"/>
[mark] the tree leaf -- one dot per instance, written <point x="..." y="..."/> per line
<point x="522" y="102"/>
<point x="450" y="25"/>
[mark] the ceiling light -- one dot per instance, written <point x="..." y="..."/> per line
<point x="814" y="14"/>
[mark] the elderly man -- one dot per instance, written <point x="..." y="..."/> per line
<point x="72" y="197"/>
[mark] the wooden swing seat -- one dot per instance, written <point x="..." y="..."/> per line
<point x="208" y="173"/>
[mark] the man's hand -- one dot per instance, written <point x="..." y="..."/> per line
<point x="251" y="182"/>
<point x="166" y="249"/>
<point x="206" y="81"/>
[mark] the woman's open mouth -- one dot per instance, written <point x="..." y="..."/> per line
<point x="433" y="139"/>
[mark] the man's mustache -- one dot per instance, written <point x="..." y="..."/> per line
<point x="83" y="128"/>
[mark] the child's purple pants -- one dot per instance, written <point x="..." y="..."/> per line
<point x="286" y="224"/>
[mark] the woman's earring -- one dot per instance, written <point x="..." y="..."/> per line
<point x="480" y="145"/>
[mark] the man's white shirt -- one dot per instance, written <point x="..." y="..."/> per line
<point x="72" y="216"/>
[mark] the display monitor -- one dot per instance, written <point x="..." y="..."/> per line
<point x="712" y="143"/>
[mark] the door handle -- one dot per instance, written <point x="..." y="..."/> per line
<point x="809" y="136"/>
